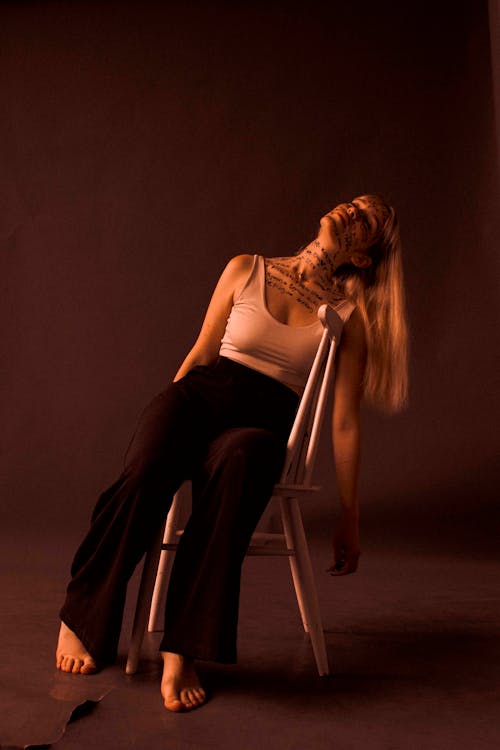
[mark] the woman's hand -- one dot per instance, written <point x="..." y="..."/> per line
<point x="345" y="544"/>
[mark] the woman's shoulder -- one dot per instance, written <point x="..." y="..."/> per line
<point x="240" y="267"/>
<point x="241" y="263"/>
<point x="236" y="273"/>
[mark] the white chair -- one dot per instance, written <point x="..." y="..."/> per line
<point x="295" y="483"/>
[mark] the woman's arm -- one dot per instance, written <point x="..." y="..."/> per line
<point x="207" y="345"/>
<point x="346" y="434"/>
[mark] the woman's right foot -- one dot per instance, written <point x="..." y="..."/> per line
<point x="180" y="686"/>
<point x="71" y="654"/>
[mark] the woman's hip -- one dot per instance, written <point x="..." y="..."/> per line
<point x="229" y="394"/>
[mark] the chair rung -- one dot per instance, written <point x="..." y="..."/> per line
<point x="269" y="551"/>
<point x="261" y="540"/>
<point x="267" y="536"/>
<point x="253" y="549"/>
<point x="294" y="489"/>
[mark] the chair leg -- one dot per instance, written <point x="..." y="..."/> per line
<point x="156" y="613"/>
<point x="143" y="602"/>
<point x="303" y="579"/>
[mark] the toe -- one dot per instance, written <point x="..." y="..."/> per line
<point x="88" y="667"/>
<point x="173" y="703"/>
<point x="200" y="694"/>
<point x="171" y="698"/>
<point x="186" y="700"/>
<point x="67" y="664"/>
<point x="76" y="665"/>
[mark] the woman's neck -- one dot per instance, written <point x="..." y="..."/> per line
<point x="317" y="265"/>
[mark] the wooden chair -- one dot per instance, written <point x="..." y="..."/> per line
<point x="295" y="483"/>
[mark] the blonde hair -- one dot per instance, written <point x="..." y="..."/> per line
<point x="378" y="292"/>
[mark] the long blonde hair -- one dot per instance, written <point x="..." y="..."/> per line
<point x="378" y="291"/>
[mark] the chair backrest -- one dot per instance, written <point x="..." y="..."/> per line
<point x="304" y="436"/>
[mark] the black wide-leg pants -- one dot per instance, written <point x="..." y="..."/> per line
<point x="225" y="427"/>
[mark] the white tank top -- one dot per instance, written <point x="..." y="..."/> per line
<point x="255" y="338"/>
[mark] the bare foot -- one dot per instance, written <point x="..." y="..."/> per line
<point x="180" y="686"/>
<point x="71" y="654"/>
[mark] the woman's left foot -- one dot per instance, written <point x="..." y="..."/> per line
<point x="71" y="654"/>
<point x="180" y="686"/>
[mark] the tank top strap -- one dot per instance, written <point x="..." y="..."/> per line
<point x="260" y="263"/>
<point x="252" y="285"/>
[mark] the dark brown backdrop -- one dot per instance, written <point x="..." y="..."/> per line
<point x="143" y="144"/>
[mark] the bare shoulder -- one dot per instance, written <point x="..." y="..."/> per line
<point x="240" y="264"/>
<point x="236" y="273"/>
<point x="354" y="333"/>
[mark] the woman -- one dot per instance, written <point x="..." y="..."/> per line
<point x="224" y="423"/>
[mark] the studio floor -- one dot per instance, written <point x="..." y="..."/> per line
<point x="413" y="641"/>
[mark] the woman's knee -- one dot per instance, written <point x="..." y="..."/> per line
<point x="256" y="441"/>
<point x="248" y="449"/>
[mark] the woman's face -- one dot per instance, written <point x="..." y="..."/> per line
<point x="353" y="227"/>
